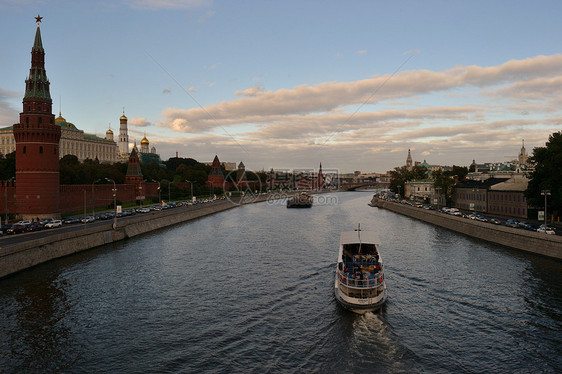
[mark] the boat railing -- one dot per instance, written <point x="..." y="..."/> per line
<point x="372" y="280"/>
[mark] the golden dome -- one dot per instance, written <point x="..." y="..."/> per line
<point x="109" y="131"/>
<point x="145" y="141"/>
<point x="60" y="118"/>
<point x="123" y="116"/>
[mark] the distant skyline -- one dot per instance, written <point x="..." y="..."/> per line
<point x="290" y="84"/>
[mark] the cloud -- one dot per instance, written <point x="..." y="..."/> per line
<point x="8" y="113"/>
<point x="362" y="52"/>
<point x="206" y="16"/>
<point x="139" y="122"/>
<point x="167" y="4"/>
<point x="453" y="116"/>
<point x="251" y="91"/>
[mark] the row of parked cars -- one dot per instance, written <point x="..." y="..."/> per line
<point x="481" y="218"/>
<point x="27" y="226"/>
<point x="512" y="222"/>
<point x="50" y="223"/>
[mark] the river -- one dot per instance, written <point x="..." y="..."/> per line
<point x="250" y="290"/>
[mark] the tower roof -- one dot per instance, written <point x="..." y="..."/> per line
<point x="38" y="44"/>
<point x="145" y="141"/>
<point x="37" y="84"/>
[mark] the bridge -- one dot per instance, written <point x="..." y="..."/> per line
<point x="353" y="186"/>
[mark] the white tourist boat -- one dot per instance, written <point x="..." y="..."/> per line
<point x="359" y="284"/>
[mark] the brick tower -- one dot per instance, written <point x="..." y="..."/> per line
<point x="216" y="176"/>
<point x="134" y="173"/>
<point x="37" y="143"/>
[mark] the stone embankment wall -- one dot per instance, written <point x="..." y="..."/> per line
<point x="528" y="241"/>
<point x="28" y="253"/>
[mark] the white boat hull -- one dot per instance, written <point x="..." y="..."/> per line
<point x="360" y="305"/>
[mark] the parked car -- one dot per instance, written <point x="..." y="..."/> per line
<point x="526" y="226"/>
<point x="495" y="221"/>
<point x="35" y="226"/>
<point x="25" y="222"/>
<point x="53" y="224"/>
<point x="546" y="229"/>
<point x="70" y="220"/>
<point x="16" y="229"/>
<point x="87" y="219"/>
<point x="44" y="221"/>
<point x="512" y="222"/>
<point x="482" y="219"/>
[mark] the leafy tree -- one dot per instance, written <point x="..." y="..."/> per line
<point x="547" y="174"/>
<point x="8" y="166"/>
<point x="400" y="175"/>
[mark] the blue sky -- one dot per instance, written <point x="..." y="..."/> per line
<point x="290" y="84"/>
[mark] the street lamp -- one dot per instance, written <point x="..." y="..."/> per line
<point x="114" y="190"/>
<point x="545" y="193"/>
<point x="191" y="184"/>
<point x="159" y="201"/>
<point x="93" y="198"/>
<point x="6" y="195"/>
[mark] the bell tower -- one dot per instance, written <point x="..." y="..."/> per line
<point x="37" y="143"/>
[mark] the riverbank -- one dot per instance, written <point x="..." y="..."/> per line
<point x="527" y="241"/>
<point x="22" y="255"/>
<point x="28" y="253"/>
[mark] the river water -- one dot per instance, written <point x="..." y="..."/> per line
<point x="250" y="290"/>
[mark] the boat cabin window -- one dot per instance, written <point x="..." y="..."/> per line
<point x="359" y="249"/>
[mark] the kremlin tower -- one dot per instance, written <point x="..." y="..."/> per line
<point x="216" y="176"/>
<point x="123" y="137"/>
<point x="37" y="143"/>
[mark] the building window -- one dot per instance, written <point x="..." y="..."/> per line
<point x="40" y="149"/>
<point x="24" y="149"/>
<point x="40" y="120"/>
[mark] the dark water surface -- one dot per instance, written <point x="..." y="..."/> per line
<point x="251" y="290"/>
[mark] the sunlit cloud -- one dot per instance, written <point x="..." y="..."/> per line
<point x="167" y="4"/>
<point x="139" y="122"/>
<point x="501" y="104"/>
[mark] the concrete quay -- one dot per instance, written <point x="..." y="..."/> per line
<point x="527" y="241"/>
<point x="31" y="252"/>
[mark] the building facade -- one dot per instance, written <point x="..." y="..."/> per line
<point x="420" y="190"/>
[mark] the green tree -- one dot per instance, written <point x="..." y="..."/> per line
<point x="401" y="175"/>
<point x="8" y="166"/>
<point x="547" y="174"/>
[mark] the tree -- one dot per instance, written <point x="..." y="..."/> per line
<point x="8" y="166"/>
<point x="400" y="175"/>
<point x="547" y="174"/>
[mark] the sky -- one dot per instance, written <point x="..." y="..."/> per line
<point x="292" y="84"/>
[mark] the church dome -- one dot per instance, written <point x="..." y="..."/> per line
<point x="109" y="131"/>
<point x="123" y="117"/>
<point x="60" y="118"/>
<point x="145" y="141"/>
